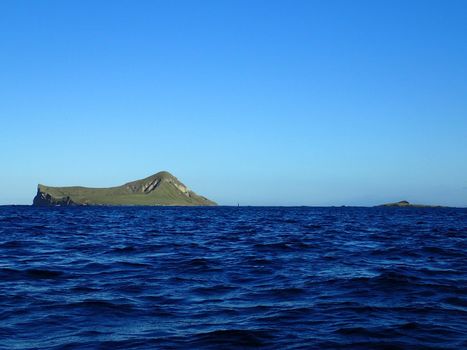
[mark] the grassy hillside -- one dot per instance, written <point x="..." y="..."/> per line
<point x="159" y="189"/>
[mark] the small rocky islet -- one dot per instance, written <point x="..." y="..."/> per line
<point x="407" y="204"/>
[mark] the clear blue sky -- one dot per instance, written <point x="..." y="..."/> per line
<point x="256" y="102"/>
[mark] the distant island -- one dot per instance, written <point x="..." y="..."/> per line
<point x="159" y="189"/>
<point x="406" y="204"/>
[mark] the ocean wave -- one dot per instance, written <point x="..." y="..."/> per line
<point x="232" y="278"/>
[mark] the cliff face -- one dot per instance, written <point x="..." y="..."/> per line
<point x="43" y="199"/>
<point x="159" y="189"/>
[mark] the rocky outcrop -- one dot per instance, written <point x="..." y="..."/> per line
<point x="43" y="199"/>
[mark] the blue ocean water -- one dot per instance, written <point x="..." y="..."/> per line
<point x="233" y="278"/>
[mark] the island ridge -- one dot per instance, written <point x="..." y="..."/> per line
<point x="159" y="189"/>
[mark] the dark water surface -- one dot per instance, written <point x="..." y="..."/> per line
<point x="233" y="278"/>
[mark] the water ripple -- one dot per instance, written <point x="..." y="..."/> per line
<point x="233" y="278"/>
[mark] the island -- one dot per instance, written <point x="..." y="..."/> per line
<point x="159" y="189"/>
<point x="406" y="204"/>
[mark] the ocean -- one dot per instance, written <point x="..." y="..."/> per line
<point x="233" y="278"/>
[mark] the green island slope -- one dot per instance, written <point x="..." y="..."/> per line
<point x="159" y="189"/>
